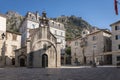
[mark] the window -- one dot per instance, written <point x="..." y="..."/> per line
<point x="94" y="38"/>
<point x="83" y="32"/>
<point x="76" y="43"/>
<point x="14" y="37"/>
<point x="53" y="23"/>
<point x="94" y="45"/>
<point x="56" y="32"/>
<point x="32" y="17"/>
<point x="33" y="25"/>
<point x="117" y="27"/>
<point x="119" y="46"/>
<point x="58" y="24"/>
<point x="118" y="58"/>
<point x="117" y="37"/>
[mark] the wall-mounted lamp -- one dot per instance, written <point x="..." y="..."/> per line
<point x="3" y="35"/>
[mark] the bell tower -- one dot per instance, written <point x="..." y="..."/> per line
<point x="44" y="26"/>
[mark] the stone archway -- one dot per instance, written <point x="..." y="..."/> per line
<point x="22" y="62"/>
<point x="13" y="61"/>
<point x="44" y="60"/>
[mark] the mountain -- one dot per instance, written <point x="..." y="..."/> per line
<point x="73" y="25"/>
<point x="13" y="21"/>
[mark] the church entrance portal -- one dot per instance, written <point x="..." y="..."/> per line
<point x="44" y="60"/>
<point x="22" y="62"/>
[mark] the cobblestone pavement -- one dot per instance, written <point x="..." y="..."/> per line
<point x="100" y="73"/>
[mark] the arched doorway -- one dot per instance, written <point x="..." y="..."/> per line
<point x="44" y="60"/>
<point x="13" y="61"/>
<point x="22" y="62"/>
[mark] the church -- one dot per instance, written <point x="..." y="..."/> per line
<point x="42" y="48"/>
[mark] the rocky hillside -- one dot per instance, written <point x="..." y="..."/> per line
<point x="13" y="21"/>
<point x="73" y="25"/>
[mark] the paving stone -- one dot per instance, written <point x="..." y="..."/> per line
<point x="100" y="73"/>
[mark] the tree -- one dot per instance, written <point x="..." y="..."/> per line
<point x="68" y="50"/>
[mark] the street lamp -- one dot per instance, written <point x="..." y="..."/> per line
<point x="2" y="35"/>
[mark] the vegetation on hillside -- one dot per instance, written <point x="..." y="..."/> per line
<point x="13" y="21"/>
<point x="73" y="25"/>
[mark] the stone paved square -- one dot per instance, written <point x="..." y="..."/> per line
<point x="83" y="73"/>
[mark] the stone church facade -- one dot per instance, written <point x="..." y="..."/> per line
<point x="42" y="48"/>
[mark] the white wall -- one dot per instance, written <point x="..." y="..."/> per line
<point x="60" y="38"/>
<point x="9" y="47"/>
<point x="27" y="24"/>
<point x="2" y="30"/>
<point x="115" y="42"/>
<point x="32" y="25"/>
<point x="2" y="24"/>
<point x="10" y="42"/>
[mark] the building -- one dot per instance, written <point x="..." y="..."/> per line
<point x="13" y="42"/>
<point x="91" y="48"/>
<point x="2" y="39"/>
<point x="41" y="48"/>
<point x="115" y="27"/>
<point x="9" y="41"/>
<point x="31" y="21"/>
<point x="58" y="30"/>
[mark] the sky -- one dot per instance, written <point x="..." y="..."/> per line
<point x="98" y="13"/>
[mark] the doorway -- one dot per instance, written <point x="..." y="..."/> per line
<point x="13" y="61"/>
<point x="108" y="59"/>
<point x="44" y="60"/>
<point x="22" y="62"/>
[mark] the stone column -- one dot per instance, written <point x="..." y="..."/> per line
<point x="28" y="51"/>
<point x="17" y="52"/>
<point x="58" y="55"/>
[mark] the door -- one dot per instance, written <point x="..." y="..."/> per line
<point x="13" y="61"/>
<point x="44" y="60"/>
<point x="22" y="62"/>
